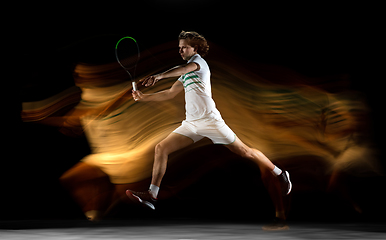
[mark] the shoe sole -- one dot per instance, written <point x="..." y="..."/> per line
<point x="289" y="181"/>
<point x="137" y="199"/>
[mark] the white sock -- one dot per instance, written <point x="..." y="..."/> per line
<point x="154" y="191"/>
<point x="276" y="171"/>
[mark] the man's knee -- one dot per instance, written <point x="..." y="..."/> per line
<point x="161" y="149"/>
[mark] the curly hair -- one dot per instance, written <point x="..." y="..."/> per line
<point x="196" y="40"/>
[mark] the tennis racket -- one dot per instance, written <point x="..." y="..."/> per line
<point x="127" y="54"/>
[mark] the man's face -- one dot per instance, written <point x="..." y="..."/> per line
<point x="186" y="51"/>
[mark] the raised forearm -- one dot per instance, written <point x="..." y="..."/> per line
<point x="174" y="72"/>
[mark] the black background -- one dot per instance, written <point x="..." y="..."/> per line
<point x="313" y="39"/>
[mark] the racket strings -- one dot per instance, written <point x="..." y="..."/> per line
<point x="128" y="62"/>
<point x="127" y="54"/>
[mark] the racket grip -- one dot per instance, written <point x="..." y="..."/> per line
<point x="134" y="86"/>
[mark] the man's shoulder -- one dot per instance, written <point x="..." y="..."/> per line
<point x="198" y="59"/>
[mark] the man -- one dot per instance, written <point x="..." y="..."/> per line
<point x="202" y="118"/>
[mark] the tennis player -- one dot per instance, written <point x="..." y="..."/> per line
<point x="202" y="118"/>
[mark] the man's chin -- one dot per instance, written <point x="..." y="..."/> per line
<point x="186" y="58"/>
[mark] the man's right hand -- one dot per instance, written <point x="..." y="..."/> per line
<point x="137" y="95"/>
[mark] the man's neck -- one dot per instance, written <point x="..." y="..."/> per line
<point x="191" y="57"/>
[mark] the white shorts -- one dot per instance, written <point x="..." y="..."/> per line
<point x="215" y="130"/>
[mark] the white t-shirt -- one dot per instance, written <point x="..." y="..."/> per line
<point x="198" y="93"/>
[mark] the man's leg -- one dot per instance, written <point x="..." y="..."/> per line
<point x="275" y="188"/>
<point x="170" y="144"/>
<point x="255" y="155"/>
<point x="263" y="162"/>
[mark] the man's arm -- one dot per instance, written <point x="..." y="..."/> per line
<point x="173" y="72"/>
<point x="159" y="96"/>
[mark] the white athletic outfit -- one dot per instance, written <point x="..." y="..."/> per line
<point x="202" y="117"/>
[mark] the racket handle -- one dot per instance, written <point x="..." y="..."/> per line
<point x="134" y="86"/>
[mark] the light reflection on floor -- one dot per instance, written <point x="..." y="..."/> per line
<point x="186" y="230"/>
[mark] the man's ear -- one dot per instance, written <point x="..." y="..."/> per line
<point x="195" y="48"/>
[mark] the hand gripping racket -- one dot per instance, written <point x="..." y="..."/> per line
<point x="127" y="54"/>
